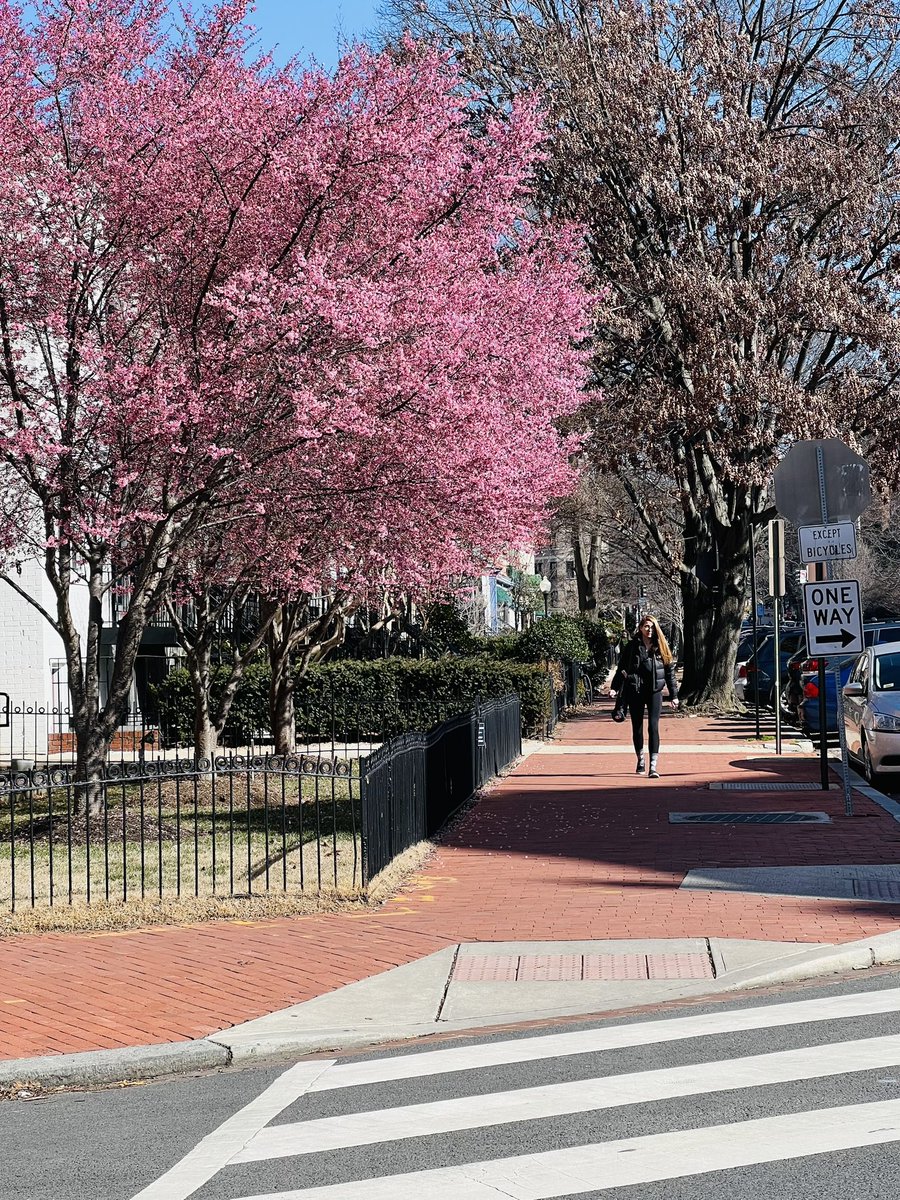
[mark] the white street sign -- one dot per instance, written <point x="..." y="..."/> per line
<point x="833" y="618"/>
<point x="827" y="543"/>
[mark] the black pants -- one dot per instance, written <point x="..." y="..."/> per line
<point x="636" y="705"/>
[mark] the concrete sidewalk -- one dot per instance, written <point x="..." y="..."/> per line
<point x="571" y="848"/>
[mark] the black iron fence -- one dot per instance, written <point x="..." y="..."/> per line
<point x="566" y="691"/>
<point x="239" y="824"/>
<point x="415" y="782"/>
<point x="236" y="825"/>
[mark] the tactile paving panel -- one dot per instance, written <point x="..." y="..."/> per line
<point x="487" y="968"/>
<point x="876" y="889"/>
<point x="579" y="968"/>
<point x="549" y="967"/>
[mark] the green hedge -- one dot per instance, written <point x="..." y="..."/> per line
<point x="363" y="700"/>
<point x="558" y="637"/>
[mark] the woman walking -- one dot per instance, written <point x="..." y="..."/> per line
<point x="645" y="667"/>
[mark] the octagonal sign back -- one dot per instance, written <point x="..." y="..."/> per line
<point x="846" y="480"/>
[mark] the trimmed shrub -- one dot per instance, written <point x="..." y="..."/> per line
<point x="558" y="637"/>
<point x="363" y="701"/>
<point x="502" y="646"/>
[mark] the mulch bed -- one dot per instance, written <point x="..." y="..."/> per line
<point x="103" y="827"/>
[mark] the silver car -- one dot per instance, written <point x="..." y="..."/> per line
<point x="872" y="710"/>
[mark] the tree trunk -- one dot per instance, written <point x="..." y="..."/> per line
<point x="283" y="622"/>
<point x="295" y="638"/>
<point x="714" y="585"/>
<point x="587" y="570"/>
<point x="91" y="750"/>
<point x="206" y="735"/>
<point x="281" y="705"/>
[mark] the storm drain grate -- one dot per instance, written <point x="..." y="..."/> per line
<point x="751" y="818"/>
<point x="579" y="968"/>
<point x="762" y="786"/>
<point x="876" y="889"/>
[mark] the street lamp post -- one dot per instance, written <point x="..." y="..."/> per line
<point x="546" y="586"/>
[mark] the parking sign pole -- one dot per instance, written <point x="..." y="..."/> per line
<point x="755" y="616"/>
<point x="823" y="717"/>
<point x="776" y="591"/>
<point x="842" y="732"/>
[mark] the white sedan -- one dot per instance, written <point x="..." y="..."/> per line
<point x="872" y="710"/>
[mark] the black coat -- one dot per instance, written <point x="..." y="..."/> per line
<point x="645" y="670"/>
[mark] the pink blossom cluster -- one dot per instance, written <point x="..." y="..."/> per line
<point x="301" y="319"/>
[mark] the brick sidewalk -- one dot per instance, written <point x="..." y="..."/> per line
<point x="570" y="846"/>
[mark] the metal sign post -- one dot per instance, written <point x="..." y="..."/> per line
<point x="825" y="481"/>
<point x="839" y="699"/>
<point x="776" y="591"/>
<point x="755" y="615"/>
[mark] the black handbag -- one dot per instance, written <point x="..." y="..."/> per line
<point x="620" y="708"/>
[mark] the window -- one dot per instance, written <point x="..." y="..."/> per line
<point x="886" y="675"/>
<point x="864" y="671"/>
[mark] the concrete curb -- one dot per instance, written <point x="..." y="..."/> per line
<point x="880" y="950"/>
<point x="113" y="1066"/>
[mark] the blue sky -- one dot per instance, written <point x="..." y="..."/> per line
<point x="312" y="29"/>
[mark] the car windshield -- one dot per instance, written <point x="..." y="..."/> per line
<point x="886" y="673"/>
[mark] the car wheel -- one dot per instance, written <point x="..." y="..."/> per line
<point x="868" y="768"/>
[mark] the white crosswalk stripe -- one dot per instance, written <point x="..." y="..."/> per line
<point x="590" y="1041"/>
<point x="249" y="1147"/>
<point x="607" y="1165"/>
<point x="561" y="1099"/>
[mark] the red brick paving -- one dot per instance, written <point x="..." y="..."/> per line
<point x="569" y="847"/>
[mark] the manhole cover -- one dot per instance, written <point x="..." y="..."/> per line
<point x="751" y="818"/>
<point x="762" y="786"/>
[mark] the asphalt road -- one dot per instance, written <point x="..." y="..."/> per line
<point x="596" y="1103"/>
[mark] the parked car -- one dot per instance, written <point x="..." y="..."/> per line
<point x="745" y="650"/>
<point x="875" y="633"/>
<point x="792" y="684"/>
<point x="808" y="712"/>
<point x="759" y="672"/>
<point x="872" y="710"/>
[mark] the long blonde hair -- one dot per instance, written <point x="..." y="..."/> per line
<point x="659" y="638"/>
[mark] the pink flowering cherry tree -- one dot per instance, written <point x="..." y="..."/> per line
<point x="214" y="274"/>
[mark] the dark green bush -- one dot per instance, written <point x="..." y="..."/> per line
<point x="363" y="700"/>
<point x="558" y="637"/>
<point x="446" y="631"/>
<point x="502" y="646"/>
<point x="597" y="638"/>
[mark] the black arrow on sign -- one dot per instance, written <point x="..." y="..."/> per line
<point x="845" y="637"/>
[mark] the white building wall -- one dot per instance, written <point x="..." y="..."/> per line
<point x="29" y="649"/>
<point x="24" y="669"/>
